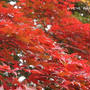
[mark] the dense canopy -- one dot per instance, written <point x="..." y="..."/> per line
<point x="44" y="45"/>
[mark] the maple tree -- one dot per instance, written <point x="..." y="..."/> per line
<point x="57" y="58"/>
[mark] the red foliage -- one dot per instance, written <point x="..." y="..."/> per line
<point x="21" y="40"/>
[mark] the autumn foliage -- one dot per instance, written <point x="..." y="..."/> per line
<point x="55" y="58"/>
